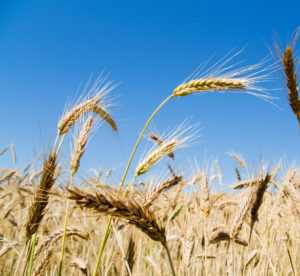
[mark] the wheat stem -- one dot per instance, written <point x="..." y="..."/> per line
<point x="32" y="253"/>
<point x="169" y="258"/>
<point x="65" y="229"/>
<point x="107" y="231"/>
<point x="60" y="143"/>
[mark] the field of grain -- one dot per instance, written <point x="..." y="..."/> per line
<point x="179" y="225"/>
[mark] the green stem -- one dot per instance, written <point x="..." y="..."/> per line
<point x="65" y="230"/>
<point x="32" y="254"/>
<point x="34" y="235"/>
<point x="107" y="231"/>
<point x="123" y="179"/>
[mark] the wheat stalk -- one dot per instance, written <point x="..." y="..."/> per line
<point x="37" y="209"/>
<point x="126" y="209"/>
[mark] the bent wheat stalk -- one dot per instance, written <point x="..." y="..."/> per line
<point x="75" y="161"/>
<point x="228" y="81"/>
<point x="37" y="209"/>
<point x="127" y="209"/>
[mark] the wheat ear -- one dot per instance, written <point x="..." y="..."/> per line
<point x="105" y="116"/>
<point x="290" y="190"/>
<point x="183" y="90"/>
<point x="126" y="209"/>
<point x="38" y="208"/>
<point x="42" y="266"/>
<point x="258" y="198"/>
<point x="156" y="155"/>
<point x="75" y="161"/>
<point x="75" y="113"/>
<point x="80" y="145"/>
<point x="247" y="183"/>
<point x="188" y="247"/>
<point x="204" y="194"/>
<point x="159" y="141"/>
<point x="209" y="84"/>
<point x="241" y="215"/>
<point x="156" y="191"/>
<point x="41" y="198"/>
<point x="240" y="160"/>
<point x="291" y="81"/>
<point x="57" y="235"/>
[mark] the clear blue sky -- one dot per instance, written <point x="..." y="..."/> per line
<point x="49" y="48"/>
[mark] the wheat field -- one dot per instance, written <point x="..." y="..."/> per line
<point x="54" y="223"/>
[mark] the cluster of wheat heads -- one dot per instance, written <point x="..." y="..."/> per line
<point x="174" y="238"/>
<point x="199" y="244"/>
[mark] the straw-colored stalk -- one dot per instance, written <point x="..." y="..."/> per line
<point x="41" y="198"/>
<point x="77" y="153"/>
<point x="38" y="208"/>
<point x="291" y="81"/>
<point x="13" y="153"/>
<point x="205" y="84"/>
<point x="7" y="177"/>
<point x="69" y="119"/>
<point x="80" y="145"/>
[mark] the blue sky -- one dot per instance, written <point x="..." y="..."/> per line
<point x="49" y="48"/>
